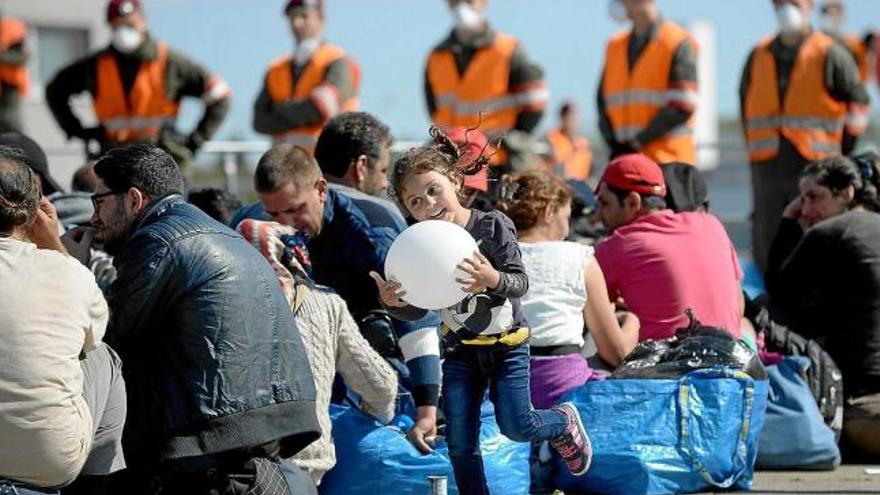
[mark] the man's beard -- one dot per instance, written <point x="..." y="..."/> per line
<point x="115" y="233"/>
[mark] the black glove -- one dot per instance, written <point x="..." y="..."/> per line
<point x="96" y="133"/>
<point x="377" y="329"/>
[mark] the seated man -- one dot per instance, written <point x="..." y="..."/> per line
<point x="62" y="397"/>
<point x="349" y="236"/>
<point x="660" y="262"/>
<point x="353" y="153"/>
<point x="220" y="385"/>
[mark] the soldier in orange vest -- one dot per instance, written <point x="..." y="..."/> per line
<point x="14" y="80"/>
<point x="570" y="156"/>
<point x="801" y="100"/>
<point x="136" y="85"/>
<point x="304" y="90"/>
<point x="832" y="15"/>
<point x="647" y="96"/>
<point x="477" y="76"/>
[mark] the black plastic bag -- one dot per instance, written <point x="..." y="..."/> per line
<point x="692" y="348"/>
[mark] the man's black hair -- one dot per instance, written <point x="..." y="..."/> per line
<point x="649" y="201"/>
<point x="19" y="190"/>
<point x="348" y="136"/>
<point x="144" y="167"/>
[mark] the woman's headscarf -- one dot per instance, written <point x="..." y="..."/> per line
<point x="285" y="249"/>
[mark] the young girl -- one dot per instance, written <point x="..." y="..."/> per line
<point x="486" y="335"/>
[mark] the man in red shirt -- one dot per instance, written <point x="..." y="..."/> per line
<point x="660" y="262"/>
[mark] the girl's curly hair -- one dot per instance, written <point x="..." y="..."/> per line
<point x="442" y="155"/>
<point x="525" y="196"/>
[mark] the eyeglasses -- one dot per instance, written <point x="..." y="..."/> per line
<point x="96" y="198"/>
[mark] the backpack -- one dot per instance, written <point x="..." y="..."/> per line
<point x="823" y="375"/>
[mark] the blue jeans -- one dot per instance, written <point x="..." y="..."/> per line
<point x="467" y="372"/>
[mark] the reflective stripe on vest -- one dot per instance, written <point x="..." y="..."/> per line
<point x="659" y="98"/>
<point x="145" y="110"/>
<point x="13" y="32"/>
<point x="459" y="99"/>
<point x="117" y="124"/>
<point x="303" y="140"/>
<point x="809" y="117"/>
<point x="310" y="85"/>
<point x="630" y="132"/>
<point x="634" y="95"/>
<point x="499" y="104"/>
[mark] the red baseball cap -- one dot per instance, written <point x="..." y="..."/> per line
<point x="471" y="144"/>
<point x="120" y="8"/>
<point x="292" y="4"/>
<point x="635" y="172"/>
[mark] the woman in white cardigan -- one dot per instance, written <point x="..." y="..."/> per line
<point x="331" y="337"/>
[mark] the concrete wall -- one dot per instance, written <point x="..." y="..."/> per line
<point x="88" y="15"/>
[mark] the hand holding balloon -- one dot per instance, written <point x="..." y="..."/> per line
<point x="481" y="274"/>
<point x="390" y="291"/>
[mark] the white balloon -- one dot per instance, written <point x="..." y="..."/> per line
<point x="423" y="259"/>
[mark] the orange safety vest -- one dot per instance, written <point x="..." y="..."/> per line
<point x="860" y="53"/>
<point x="280" y="86"/>
<point x="575" y="156"/>
<point x="633" y="96"/>
<point x="460" y="99"/>
<point x="13" y="32"/>
<point x="142" y="113"/>
<point x="809" y="117"/>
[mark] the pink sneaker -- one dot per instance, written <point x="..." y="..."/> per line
<point x="573" y="445"/>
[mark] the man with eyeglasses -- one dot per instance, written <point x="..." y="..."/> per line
<point x="221" y="387"/>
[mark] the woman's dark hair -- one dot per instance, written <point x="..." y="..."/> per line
<point x="19" y="190"/>
<point x="840" y="172"/>
<point x="440" y="155"/>
<point x="525" y="196"/>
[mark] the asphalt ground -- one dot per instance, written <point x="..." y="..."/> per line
<point x="847" y="479"/>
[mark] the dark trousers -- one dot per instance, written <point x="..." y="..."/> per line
<point x="774" y="186"/>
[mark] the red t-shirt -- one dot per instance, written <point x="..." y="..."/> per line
<point x="666" y="262"/>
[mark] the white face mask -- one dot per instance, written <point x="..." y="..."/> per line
<point x="466" y="17"/>
<point x="830" y="23"/>
<point x="126" y="39"/>
<point x="790" y="18"/>
<point x="304" y="49"/>
<point x="617" y="11"/>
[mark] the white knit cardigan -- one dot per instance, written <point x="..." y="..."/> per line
<point x="334" y="344"/>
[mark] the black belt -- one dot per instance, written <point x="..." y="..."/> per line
<point x="555" y="350"/>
